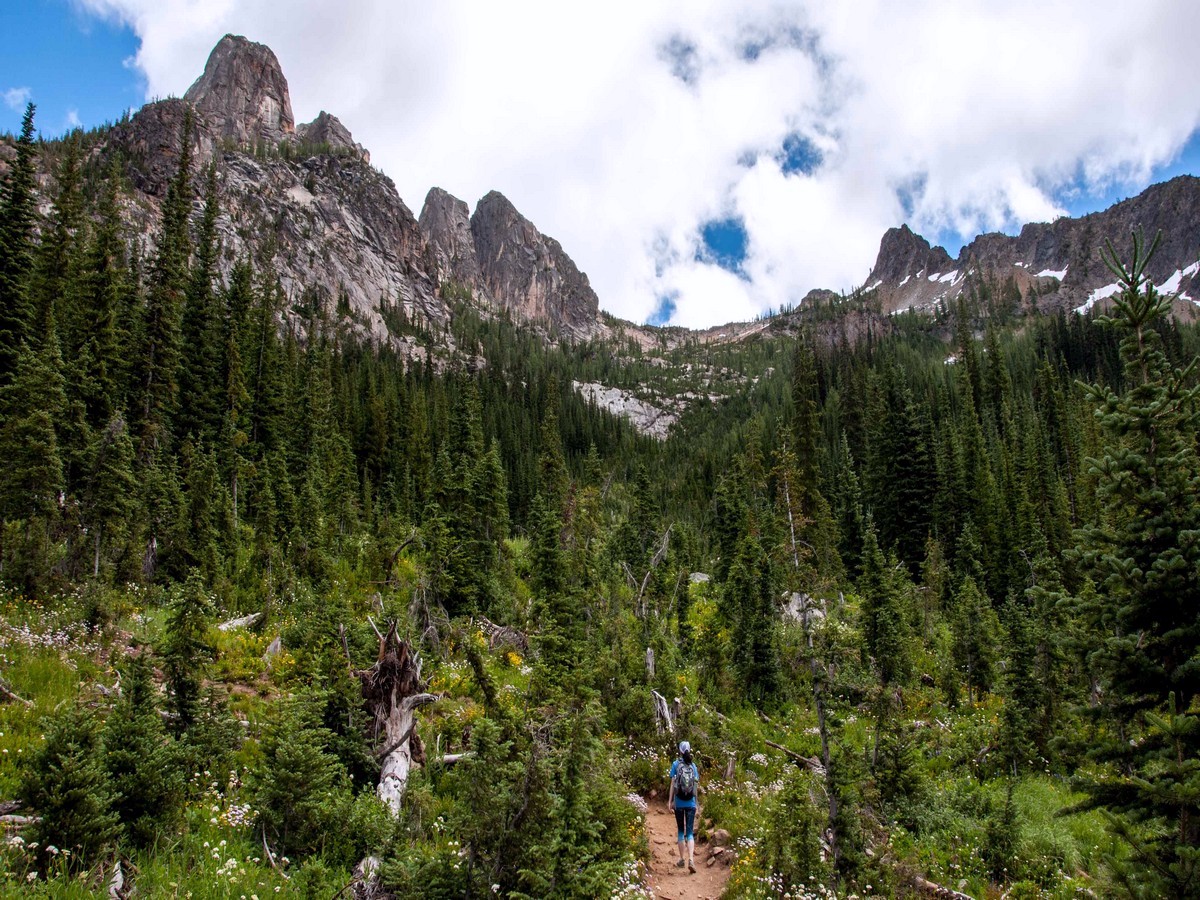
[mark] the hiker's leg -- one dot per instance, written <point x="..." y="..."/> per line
<point x="681" y="829"/>
<point x="691" y="838"/>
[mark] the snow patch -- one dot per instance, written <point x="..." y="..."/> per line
<point x="949" y="276"/>
<point x="905" y="281"/>
<point x="1060" y="274"/>
<point x="876" y="284"/>
<point x="1171" y="285"/>
<point x="1097" y="295"/>
<point x="935" y="276"/>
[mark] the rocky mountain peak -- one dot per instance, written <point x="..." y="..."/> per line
<point x="242" y="94"/>
<point x="528" y="273"/>
<point x="328" y="130"/>
<point x="446" y="223"/>
<point x="903" y="254"/>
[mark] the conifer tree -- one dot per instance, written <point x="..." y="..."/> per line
<point x="156" y="391"/>
<point x="887" y="637"/>
<point x="748" y="598"/>
<point x="147" y="785"/>
<point x="56" y="260"/>
<point x="67" y="784"/>
<point x="187" y="649"/>
<point x="200" y="388"/>
<point x="92" y="337"/>
<point x="110" y="488"/>
<point x="976" y="637"/>
<point x="18" y="213"/>
<point x="1143" y="554"/>
<point x="32" y="477"/>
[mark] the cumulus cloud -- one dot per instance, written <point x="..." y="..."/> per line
<point x="622" y="128"/>
<point x="17" y="98"/>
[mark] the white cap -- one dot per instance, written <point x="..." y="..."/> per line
<point x="685" y="747"/>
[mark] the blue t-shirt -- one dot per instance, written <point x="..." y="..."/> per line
<point x="679" y="801"/>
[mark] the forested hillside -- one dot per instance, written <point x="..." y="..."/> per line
<point x="287" y="610"/>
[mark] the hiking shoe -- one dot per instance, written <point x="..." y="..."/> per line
<point x="691" y="867"/>
<point x="679" y="864"/>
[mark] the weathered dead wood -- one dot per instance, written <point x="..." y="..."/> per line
<point x="240" y="622"/>
<point x="809" y="762"/>
<point x="13" y="695"/>
<point x="658" y="557"/>
<point x="395" y="557"/>
<point x="662" y="714"/>
<point x="116" y="882"/>
<point x="449" y="759"/>
<point x="14" y="821"/>
<point x="502" y="635"/>
<point x="271" y="856"/>
<point x="391" y="693"/>
<point x="940" y="892"/>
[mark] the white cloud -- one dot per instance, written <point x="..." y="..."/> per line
<point x="73" y="120"/>
<point x="982" y="110"/>
<point x="17" y="98"/>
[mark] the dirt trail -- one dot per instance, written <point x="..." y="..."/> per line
<point x="668" y="882"/>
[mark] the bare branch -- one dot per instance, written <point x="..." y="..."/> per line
<point x="13" y="695"/>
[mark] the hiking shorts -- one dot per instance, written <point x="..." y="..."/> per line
<point x="685" y="821"/>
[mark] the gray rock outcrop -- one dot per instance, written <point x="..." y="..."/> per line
<point x="327" y="131"/>
<point x="243" y="94"/>
<point x="1057" y="262"/>
<point x="446" y="223"/>
<point x="528" y="273"/>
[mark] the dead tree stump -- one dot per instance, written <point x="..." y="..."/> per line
<point x="392" y="691"/>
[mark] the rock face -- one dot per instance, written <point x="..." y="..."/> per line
<point x="646" y="417"/>
<point x="337" y="232"/>
<point x="903" y="254"/>
<point x="328" y="131"/>
<point x="1058" y="262"/>
<point x="528" y="273"/>
<point x="243" y="93"/>
<point x="446" y="223"/>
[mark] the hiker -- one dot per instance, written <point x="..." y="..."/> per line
<point x="685" y="786"/>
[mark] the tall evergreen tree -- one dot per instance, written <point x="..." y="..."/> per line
<point x="1143" y="554"/>
<point x="156" y="391"/>
<point x="18" y="212"/>
<point x="202" y="338"/>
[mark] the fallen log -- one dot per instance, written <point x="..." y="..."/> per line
<point x="13" y="695"/>
<point x="241" y="622"/>
<point x="14" y="821"/>
<point x="809" y="762"/>
<point x="502" y="635"/>
<point x="938" y="891"/>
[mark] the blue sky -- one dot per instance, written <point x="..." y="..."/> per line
<point x="72" y="65"/>
<point x="703" y="162"/>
